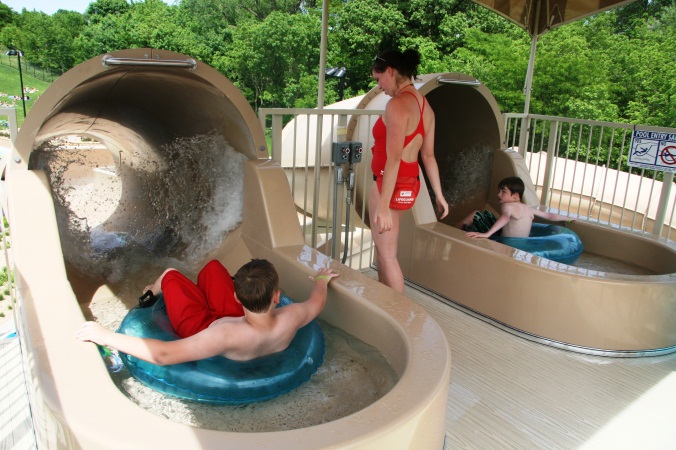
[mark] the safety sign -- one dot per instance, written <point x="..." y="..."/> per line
<point x="654" y="150"/>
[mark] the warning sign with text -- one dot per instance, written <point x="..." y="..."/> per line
<point x="654" y="150"/>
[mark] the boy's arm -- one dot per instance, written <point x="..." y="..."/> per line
<point x="310" y="308"/>
<point x="501" y="222"/>
<point x="154" y="351"/>
<point x="551" y="216"/>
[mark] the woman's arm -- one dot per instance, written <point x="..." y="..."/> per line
<point x="432" y="168"/>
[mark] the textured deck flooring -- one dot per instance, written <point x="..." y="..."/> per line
<point x="16" y="428"/>
<point x="505" y="393"/>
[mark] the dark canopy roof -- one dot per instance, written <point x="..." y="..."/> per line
<point x="552" y="13"/>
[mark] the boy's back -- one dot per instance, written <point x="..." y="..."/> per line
<point x="245" y="338"/>
<point x="520" y="219"/>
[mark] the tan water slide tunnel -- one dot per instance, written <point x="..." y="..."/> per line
<point x="135" y="102"/>
<point x="576" y="308"/>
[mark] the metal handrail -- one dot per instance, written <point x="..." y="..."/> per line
<point x="180" y="63"/>
<point x="442" y="80"/>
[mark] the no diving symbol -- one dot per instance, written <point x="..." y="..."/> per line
<point x="668" y="155"/>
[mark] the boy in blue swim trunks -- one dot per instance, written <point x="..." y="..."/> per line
<point x="516" y="218"/>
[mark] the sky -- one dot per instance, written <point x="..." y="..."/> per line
<point x="51" y="6"/>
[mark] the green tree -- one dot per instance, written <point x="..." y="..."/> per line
<point x="152" y="24"/>
<point x="108" y="33"/>
<point x="445" y="21"/>
<point x="363" y="29"/>
<point x="497" y="60"/>
<point x="65" y="26"/>
<point x="270" y="61"/>
<point x="616" y="65"/>
<point x="7" y="15"/>
<point x="212" y="13"/>
<point x="100" y="8"/>
<point x="570" y="80"/>
<point x="45" y="40"/>
<point x="212" y="21"/>
<point x="158" y="25"/>
<point x="654" y="101"/>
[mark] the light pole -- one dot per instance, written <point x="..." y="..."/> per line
<point x="338" y="72"/>
<point x="17" y="53"/>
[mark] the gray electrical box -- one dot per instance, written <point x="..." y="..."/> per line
<point x="355" y="152"/>
<point x="341" y="152"/>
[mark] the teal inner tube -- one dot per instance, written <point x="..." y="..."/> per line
<point x="219" y="380"/>
<point x="553" y="242"/>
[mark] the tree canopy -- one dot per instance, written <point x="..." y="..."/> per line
<point x="618" y="65"/>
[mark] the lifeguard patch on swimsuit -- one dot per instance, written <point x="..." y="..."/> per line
<point x="405" y="192"/>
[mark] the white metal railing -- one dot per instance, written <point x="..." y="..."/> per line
<point x="5" y="155"/>
<point x="12" y="122"/>
<point x="301" y="140"/>
<point x="577" y="167"/>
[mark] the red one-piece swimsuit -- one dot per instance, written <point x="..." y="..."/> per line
<point x="408" y="177"/>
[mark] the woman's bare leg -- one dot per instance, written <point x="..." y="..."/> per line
<point x="389" y="271"/>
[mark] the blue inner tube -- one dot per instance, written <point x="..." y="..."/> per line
<point x="553" y="242"/>
<point x="219" y="380"/>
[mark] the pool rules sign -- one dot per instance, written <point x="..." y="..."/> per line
<point x="654" y="150"/>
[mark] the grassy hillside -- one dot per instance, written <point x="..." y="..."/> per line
<point x="9" y="85"/>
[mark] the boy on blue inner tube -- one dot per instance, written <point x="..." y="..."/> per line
<point x="516" y="218"/>
<point x="220" y="315"/>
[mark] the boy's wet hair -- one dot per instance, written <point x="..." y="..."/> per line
<point x="255" y="284"/>
<point x="514" y="184"/>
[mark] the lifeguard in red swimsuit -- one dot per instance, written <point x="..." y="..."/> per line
<point x="408" y="178"/>
<point x="405" y="131"/>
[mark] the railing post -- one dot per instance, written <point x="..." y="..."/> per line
<point x="523" y="135"/>
<point x="277" y="138"/>
<point x="338" y="194"/>
<point x="262" y="118"/>
<point x="661" y="213"/>
<point x="13" y="124"/>
<point x="317" y="172"/>
<point x="549" y="168"/>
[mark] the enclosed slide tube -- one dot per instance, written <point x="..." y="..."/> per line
<point x="69" y="252"/>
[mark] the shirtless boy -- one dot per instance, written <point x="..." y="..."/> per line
<point x="218" y="317"/>
<point x="516" y="218"/>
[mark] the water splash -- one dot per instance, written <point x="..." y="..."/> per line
<point x="114" y="217"/>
